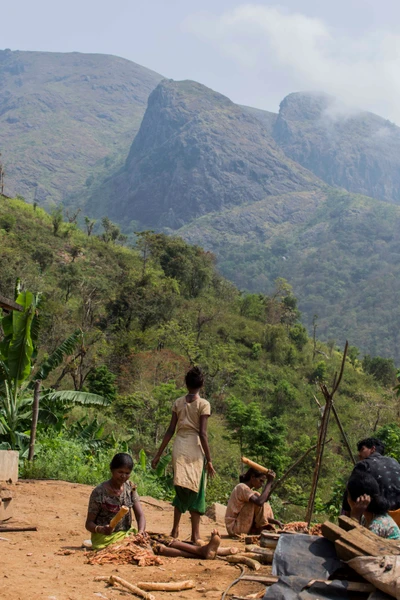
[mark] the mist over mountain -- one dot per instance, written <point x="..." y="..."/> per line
<point x="67" y="119"/>
<point x="356" y="150"/>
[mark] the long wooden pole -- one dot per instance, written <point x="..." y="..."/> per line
<point x="322" y="434"/>
<point x="318" y="461"/>
<point x="35" y="415"/>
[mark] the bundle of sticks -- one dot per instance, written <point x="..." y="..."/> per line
<point x="134" y="549"/>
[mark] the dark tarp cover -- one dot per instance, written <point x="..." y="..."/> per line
<point x="300" y="558"/>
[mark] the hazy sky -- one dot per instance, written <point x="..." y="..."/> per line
<point x="255" y="53"/>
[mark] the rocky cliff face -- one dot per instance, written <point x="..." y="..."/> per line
<point x="66" y="119"/>
<point x="356" y="150"/>
<point x="197" y="152"/>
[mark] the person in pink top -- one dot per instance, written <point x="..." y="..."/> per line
<point x="248" y="511"/>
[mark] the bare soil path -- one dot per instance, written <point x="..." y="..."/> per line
<point x="31" y="569"/>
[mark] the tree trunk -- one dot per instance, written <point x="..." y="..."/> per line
<point x="35" y="414"/>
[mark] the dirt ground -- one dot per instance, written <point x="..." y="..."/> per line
<point x="31" y="569"/>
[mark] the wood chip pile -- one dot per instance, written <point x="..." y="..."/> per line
<point x="134" y="549"/>
<point x="302" y="527"/>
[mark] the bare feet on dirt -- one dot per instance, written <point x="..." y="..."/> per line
<point x="209" y="551"/>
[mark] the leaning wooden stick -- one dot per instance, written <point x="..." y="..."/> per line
<point x="255" y="465"/>
<point x="119" y="516"/>
<point x="279" y="481"/>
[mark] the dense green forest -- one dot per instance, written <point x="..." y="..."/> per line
<point x="124" y="324"/>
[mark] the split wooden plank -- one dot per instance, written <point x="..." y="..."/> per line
<point x="331" y="532"/>
<point x="347" y="551"/>
<point x="352" y="539"/>
<point x="347" y="523"/>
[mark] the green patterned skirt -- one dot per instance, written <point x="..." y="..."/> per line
<point x="186" y="499"/>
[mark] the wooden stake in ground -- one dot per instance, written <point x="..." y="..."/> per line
<point x="322" y="434"/>
<point x="35" y="415"/>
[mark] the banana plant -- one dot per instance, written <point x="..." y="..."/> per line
<point x="18" y="352"/>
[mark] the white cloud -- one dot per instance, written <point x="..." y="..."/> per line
<point x="363" y="70"/>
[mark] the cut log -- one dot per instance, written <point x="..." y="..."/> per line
<point x="239" y="559"/>
<point x="252" y="539"/>
<point x="254" y="465"/>
<point x="172" y="586"/>
<point x="118" y="517"/>
<point x="131" y="587"/>
<point x="264" y="560"/>
<point x="258" y="550"/>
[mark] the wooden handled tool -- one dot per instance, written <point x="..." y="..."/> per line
<point x="255" y="465"/>
<point x="119" y="516"/>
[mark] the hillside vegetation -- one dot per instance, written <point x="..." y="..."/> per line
<point x="340" y="251"/>
<point x="149" y="312"/>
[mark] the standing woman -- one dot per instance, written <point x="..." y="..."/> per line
<point x="191" y="453"/>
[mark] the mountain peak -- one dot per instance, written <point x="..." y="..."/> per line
<point x="197" y="152"/>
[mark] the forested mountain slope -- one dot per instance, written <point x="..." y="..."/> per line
<point x="222" y="175"/>
<point x="66" y="120"/>
<point x="346" y="147"/>
<point x="196" y="152"/>
<point x="146" y="313"/>
<point x="341" y="254"/>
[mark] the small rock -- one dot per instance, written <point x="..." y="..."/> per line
<point x="216" y="512"/>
